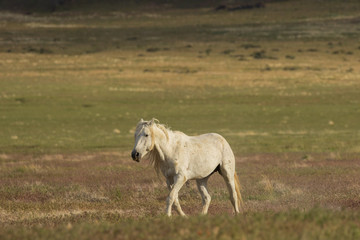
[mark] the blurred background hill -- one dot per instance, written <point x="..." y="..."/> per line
<point x="29" y="6"/>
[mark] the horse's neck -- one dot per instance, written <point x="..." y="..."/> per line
<point x="164" y="143"/>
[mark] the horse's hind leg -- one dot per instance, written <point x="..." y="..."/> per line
<point x="169" y="183"/>
<point x="228" y="174"/>
<point x="206" y="199"/>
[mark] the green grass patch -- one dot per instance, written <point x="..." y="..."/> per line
<point x="314" y="224"/>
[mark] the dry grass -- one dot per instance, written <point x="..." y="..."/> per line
<point x="46" y="188"/>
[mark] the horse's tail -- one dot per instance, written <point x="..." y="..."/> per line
<point x="240" y="202"/>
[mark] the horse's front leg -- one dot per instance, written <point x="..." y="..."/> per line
<point x="179" y="181"/>
<point x="170" y="182"/>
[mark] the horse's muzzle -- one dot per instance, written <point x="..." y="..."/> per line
<point x="135" y="155"/>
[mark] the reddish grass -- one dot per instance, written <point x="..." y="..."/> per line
<point x="38" y="186"/>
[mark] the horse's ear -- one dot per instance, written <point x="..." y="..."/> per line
<point x="156" y="120"/>
<point x="140" y="122"/>
<point x="152" y="121"/>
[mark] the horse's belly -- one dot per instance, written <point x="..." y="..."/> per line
<point x="202" y="166"/>
<point x="205" y="155"/>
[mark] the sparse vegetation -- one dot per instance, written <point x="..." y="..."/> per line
<point x="283" y="89"/>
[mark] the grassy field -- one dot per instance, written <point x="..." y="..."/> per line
<point x="280" y="83"/>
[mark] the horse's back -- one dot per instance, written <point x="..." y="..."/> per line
<point x="227" y="153"/>
<point x="212" y="140"/>
<point x="208" y="140"/>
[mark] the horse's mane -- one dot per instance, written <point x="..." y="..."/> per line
<point x="153" y="155"/>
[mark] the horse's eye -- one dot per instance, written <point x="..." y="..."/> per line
<point x="146" y="135"/>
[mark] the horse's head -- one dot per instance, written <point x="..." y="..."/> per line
<point x="144" y="139"/>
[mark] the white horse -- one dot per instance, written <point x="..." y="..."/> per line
<point x="180" y="158"/>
